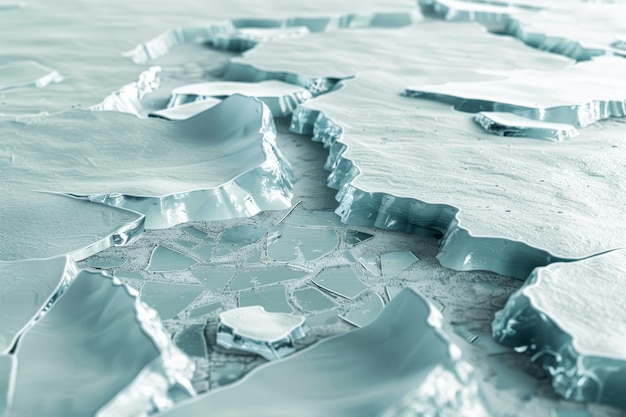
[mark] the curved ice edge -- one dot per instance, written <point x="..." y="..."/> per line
<point x="505" y="23"/>
<point x="128" y="98"/>
<point x="497" y="124"/>
<point x="579" y="115"/>
<point x="242" y="196"/>
<point x="409" y="330"/>
<point x="459" y="249"/>
<point x="165" y="42"/>
<point x="574" y="375"/>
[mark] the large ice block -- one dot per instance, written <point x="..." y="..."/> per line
<point x="570" y="318"/>
<point x="96" y="350"/>
<point x="401" y="364"/>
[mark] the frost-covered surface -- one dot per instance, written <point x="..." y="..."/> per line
<point x="570" y="318"/>
<point x="20" y="74"/>
<point x="91" y="347"/>
<point x="253" y="329"/>
<point x="387" y="368"/>
<point x="170" y="172"/>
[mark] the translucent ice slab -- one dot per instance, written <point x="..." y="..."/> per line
<point x="219" y="164"/>
<point x="253" y="329"/>
<point x="399" y="365"/>
<point x="341" y="281"/>
<point x="273" y="299"/>
<point x="282" y="98"/>
<point x="570" y="318"/>
<point x="27" y="74"/>
<point x="311" y="243"/>
<point x="529" y="93"/>
<point x="97" y="349"/>
<point x="365" y="311"/>
<point x="42" y="225"/>
<point x="504" y="206"/>
<point x="169" y="299"/>
<point x="164" y="259"/>
<point x="512" y="125"/>
<point x="187" y="110"/>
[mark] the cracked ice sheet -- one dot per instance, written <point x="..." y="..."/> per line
<point x="42" y="225"/>
<point x="392" y="365"/>
<point x="580" y="30"/>
<point x="429" y="51"/>
<point x="588" y="92"/>
<point x="96" y="349"/>
<point x="505" y="206"/>
<point x="570" y="318"/>
<point x="220" y="164"/>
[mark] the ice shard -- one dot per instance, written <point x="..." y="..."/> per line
<point x="534" y="214"/>
<point x="42" y="225"/>
<point x="528" y="93"/>
<point x="273" y="299"/>
<point x="164" y="259"/>
<point x="570" y="318"/>
<point x="365" y="311"/>
<point x="341" y="281"/>
<point x="401" y="364"/>
<point x="282" y="98"/>
<point x="306" y="61"/>
<point x="253" y="329"/>
<point x="295" y="242"/>
<point x="512" y="125"/>
<point x="219" y="164"/>
<point x="27" y="74"/>
<point x="103" y="351"/>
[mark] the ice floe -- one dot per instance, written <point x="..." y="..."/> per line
<point x="570" y="318"/>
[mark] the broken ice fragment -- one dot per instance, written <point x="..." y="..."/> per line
<point x="128" y="98"/>
<point x="312" y="243"/>
<point x="370" y="262"/>
<point x="570" y="318"/>
<point x="204" y="310"/>
<point x="342" y="281"/>
<point x="354" y="237"/>
<point x="312" y="299"/>
<point x="187" y="110"/>
<point x="273" y="299"/>
<point x="256" y="277"/>
<point x="399" y="363"/>
<point x="169" y="299"/>
<point x="252" y="329"/>
<point x="282" y="98"/>
<point x="365" y="311"/>
<point x="512" y="125"/>
<point x="195" y="232"/>
<point x="238" y="237"/>
<point x="103" y="352"/>
<point x="27" y="74"/>
<point x="163" y="259"/>
<point x="42" y="225"/>
<point x="205" y="249"/>
<point x="214" y="278"/>
<point x="191" y="340"/>
<point x="108" y="262"/>
<point x="394" y="263"/>
<point x="528" y="93"/>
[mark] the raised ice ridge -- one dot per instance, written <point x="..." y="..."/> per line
<point x="128" y="98"/>
<point x="253" y="329"/>
<point x="570" y="318"/>
<point x="220" y="164"/>
<point x="390" y="367"/>
<point x="504" y="206"/>
<point x="581" y="31"/>
<point x="91" y="348"/>
<point x="512" y="125"/>
<point x="588" y="92"/>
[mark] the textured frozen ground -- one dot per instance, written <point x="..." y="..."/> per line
<point x="570" y="318"/>
<point x="206" y="167"/>
<point x="91" y="346"/>
<point x="360" y="374"/>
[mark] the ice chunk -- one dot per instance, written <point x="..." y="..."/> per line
<point x="42" y="225"/>
<point x="528" y="93"/>
<point x="534" y="213"/>
<point x="205" y="309"/>
<point x="238" y="237"/>
<point x="169" y="299"/>
<point x="394" y="263"/>
<point x="282" y="98"/>
<point x="191" y="340"/>
<point x="270" y="335"/>
<point x="341" y="281"/>
<point x="214" y="278"/>
<point x="512" y="125"/>
<point x="256" y="277"/>
<point x="219" y="164"/>
<point x="27" y="74"/>
<point x="570" y="318"/>
<point x="164" y="259"/>
<point x="128" y="98"/>
<point x="312" y="299"/>
<point x="103" y="352"/>
<point x="313" y="243"/>
<point x="354" y="237"/>
<point x="365" y="311"/>
<point x="273" y="299"/>
<point x="399" y="365"/>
